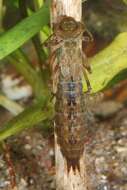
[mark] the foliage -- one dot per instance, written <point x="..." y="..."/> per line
<point x="27" y="119"/>
<point x="13" y="3"/>
<point x="125" y="1"/>
<point x="109" y="63"/>
<point x="23" y="31"/>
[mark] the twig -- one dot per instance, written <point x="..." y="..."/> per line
<point x="9" y="163"/>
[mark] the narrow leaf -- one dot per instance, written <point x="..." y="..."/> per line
<point x="108" y="64"/>
<point x="23" y="31"/>
<point x="10" y="105"/>
<point x="27" y="119"/>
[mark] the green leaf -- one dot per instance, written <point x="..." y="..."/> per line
<point x="27" y="119"/>
<point x="20" y="61"/>
<point x="23" y="31"/>
<point x="10" y="105"/>
<point x="109" y="64"/>
<point x="125" y="1"/>
<point x="12" y="3"/>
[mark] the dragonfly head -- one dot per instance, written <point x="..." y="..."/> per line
<point x="68" y="24"/>
<point x="68" y="27"/>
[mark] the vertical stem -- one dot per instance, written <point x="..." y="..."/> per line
<point x="35" y="39"/>
<point x="10" y="166"/>
<point x="74" y="180"/>
<point x="20" y="61"/>
<point x="38" y="3"/>
<point x="1" y="13"/>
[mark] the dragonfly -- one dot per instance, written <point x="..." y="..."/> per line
<point x="69" y="64"/>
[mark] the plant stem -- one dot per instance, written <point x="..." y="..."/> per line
<point x="1" y="13"/>
<point x="36" y="40"/>
<point x="10" y="105"/>
<point x="38" y="3"/>
<point x="27" y="119"/>
<point x="7" y="158"/>
<point x="21" y="63"/>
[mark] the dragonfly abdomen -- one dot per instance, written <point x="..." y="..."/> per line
<point x="69" y="121"/>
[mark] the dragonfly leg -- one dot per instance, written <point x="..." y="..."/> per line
<point x="52" y="58"/>
<point x="86" y="63"/>
<point x="53" y="41"/>
<point x="88" y="38"/>
<point x="48" y="41"/>
<point x="54" y="70"/>
<point x="53" y="95"/>
<point x="87" y="82"/>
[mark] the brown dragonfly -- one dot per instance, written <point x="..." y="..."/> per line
<point x="69" y="64"/>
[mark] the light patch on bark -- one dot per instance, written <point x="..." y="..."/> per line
<point x="71" y="8"/>
<point x="72" y="180"/>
